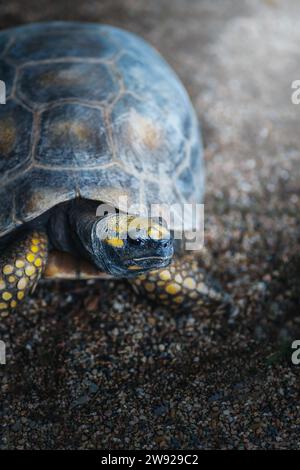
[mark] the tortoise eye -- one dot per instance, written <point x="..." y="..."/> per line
<point x="137" y="234"/>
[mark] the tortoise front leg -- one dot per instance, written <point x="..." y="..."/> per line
<point x="181" y="286"/>
<point x="21" y="266"/>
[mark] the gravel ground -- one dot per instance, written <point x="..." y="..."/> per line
<point x="90" y="365"/>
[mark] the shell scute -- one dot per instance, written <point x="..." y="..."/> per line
<point x="67" y="81"/>
<point x="143" y="141"/>
<point x="72" y="135"/>
<point x="15" y="135"/>
<point x="60" y="41"/>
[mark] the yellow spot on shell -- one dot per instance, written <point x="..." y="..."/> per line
<point x="190" y="283"/>
<point x="115" y="242"/>
<point x="3" y="305"/>
<point x="22" y="283"/>
<point x="20" y="295"/>
<point x="8" y="269"/>
<point x="173" y="288"/>
<point x="178" y="299"/>
<point x="163" y="296"/>
<point x="19" y="273"/>
<point x="35" y="241"/>
<point x="13" y="304"/>
<point x="34" y="249"/>
<point x="30" y="258"/>
<point x="20" y="263"/>
<point x="30" y="270"/>
<point x="6" y="296"/>
<point x="2" y="284"/>
<point x="38" y="262"/>
<point x="12" y="279"/>
<point x="165" y="275"/>
<point x="149" y="287"/>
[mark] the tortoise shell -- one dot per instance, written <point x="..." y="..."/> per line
<point x="91" y="111"/>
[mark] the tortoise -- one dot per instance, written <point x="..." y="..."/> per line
<point x="95" y="118"/>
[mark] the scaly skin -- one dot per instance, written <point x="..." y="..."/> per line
<point x="21" y="266"/>
<point x="181" y="286"/>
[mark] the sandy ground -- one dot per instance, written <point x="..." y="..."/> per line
<point x="90" y="365"/>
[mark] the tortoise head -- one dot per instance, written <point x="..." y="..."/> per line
<point x="125" y="245"/>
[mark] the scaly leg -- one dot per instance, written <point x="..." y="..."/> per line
<point x="21" y="266"/>
<point x="181" y="286"/>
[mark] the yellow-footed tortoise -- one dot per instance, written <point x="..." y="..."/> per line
<point x="94" y="116"/>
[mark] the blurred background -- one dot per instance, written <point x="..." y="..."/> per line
<point x="90" y="365"/>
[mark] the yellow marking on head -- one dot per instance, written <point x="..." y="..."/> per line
<point x="22" y="283"/>
<point x="30" y="258"/>
<point x="20" y="263"/>
<point x="173" y="288"/>
<point x="179" y="299"/>
<point x="149" y="287"/>
<point x="29" y="270"/>
<point x="20" y="295"/>
<point x="3" y="305"/>
<point x="189" y="283"/>
<point x="12" y="279"/>
<point x="165" y="275"/>
<point x="38" y="262"/>
<point x="34" y="249"/>
<point x="115" y="242"/>
<point x="6" y="295"/>
<point x="2" y="284"/>
<point x="8" y="269"/>
<point x="178" y="278"/>
<point x="13" y="304"/>
<point x="158" y="232"/>
<point x="137" y="224"/>
<point x="154" y="233"/>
